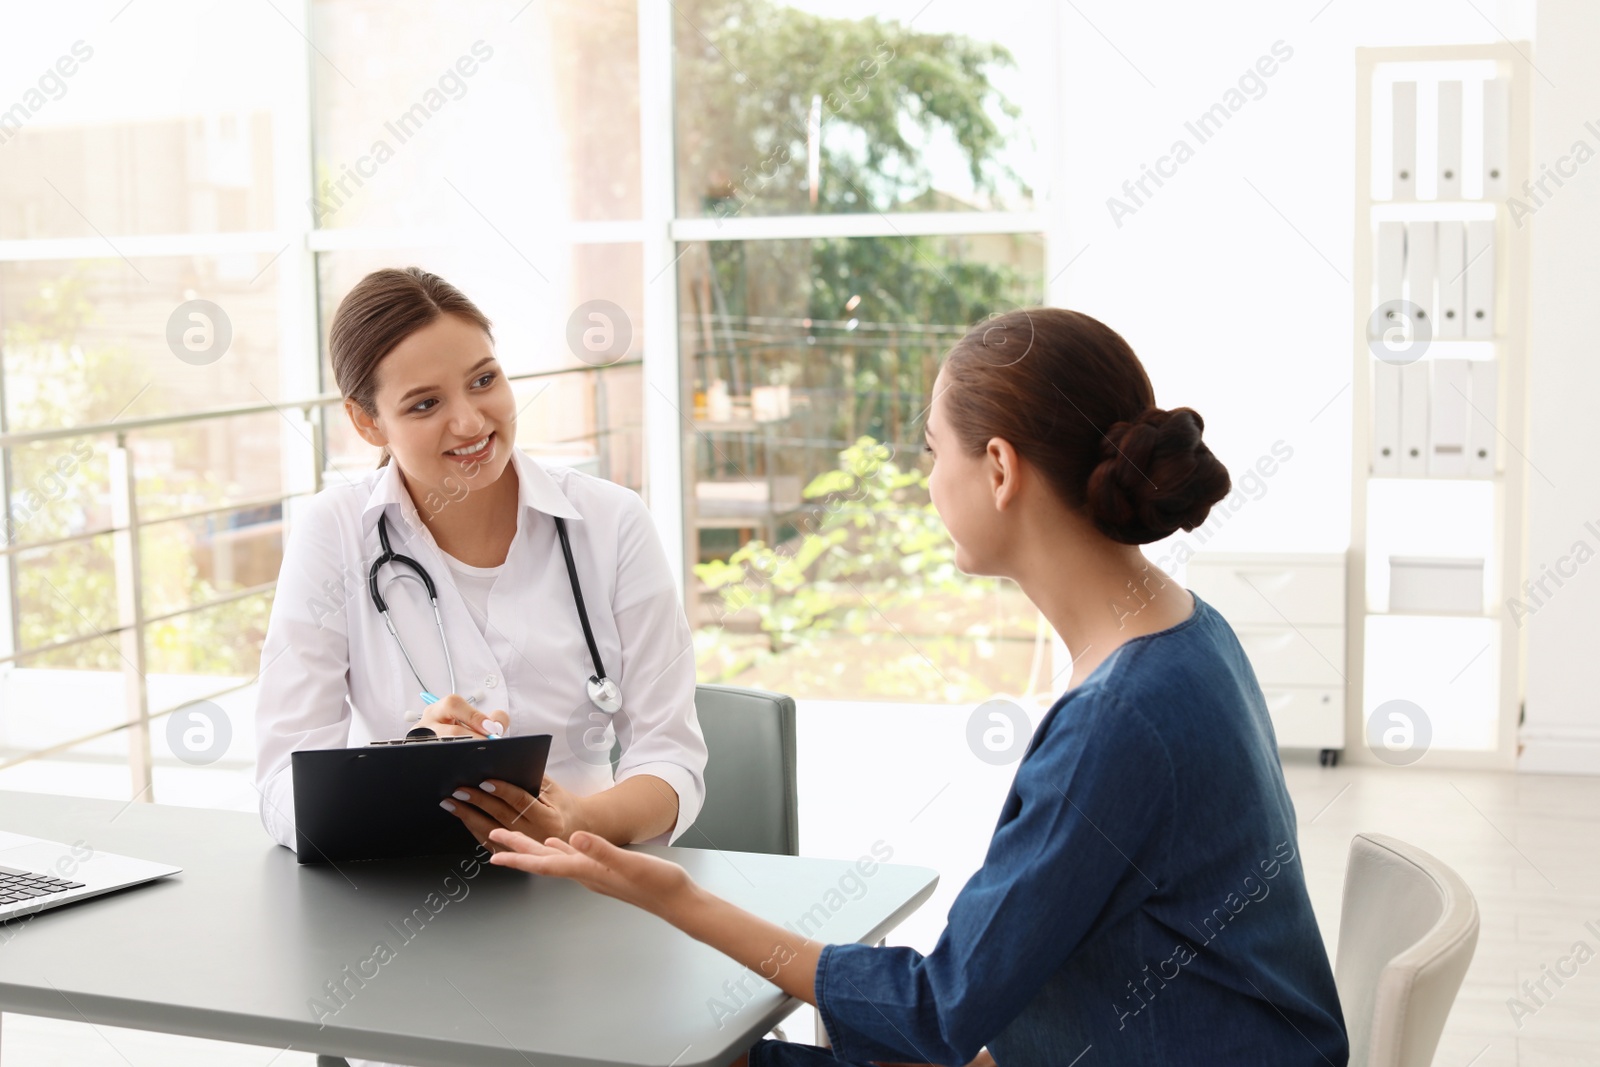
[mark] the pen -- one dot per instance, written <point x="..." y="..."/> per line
<point x="429" y="698"/>
<point x="492" y="728"/>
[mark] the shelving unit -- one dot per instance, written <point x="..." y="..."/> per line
<point x="1416" y="652"/>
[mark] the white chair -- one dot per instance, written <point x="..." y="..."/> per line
<point x="1407" y="932"/>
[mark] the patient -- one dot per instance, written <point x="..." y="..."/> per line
<point x="1142" y="893"/>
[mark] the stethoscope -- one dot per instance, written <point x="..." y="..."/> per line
<point x="604" y="693"/>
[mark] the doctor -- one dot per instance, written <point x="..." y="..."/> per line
<point x="555" y="611"/>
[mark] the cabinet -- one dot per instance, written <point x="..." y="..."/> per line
<point x="1289" y="613"/>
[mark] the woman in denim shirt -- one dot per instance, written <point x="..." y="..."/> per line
<point x="1142" y="900"/>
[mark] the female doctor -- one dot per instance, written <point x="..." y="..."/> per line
<point x="555" y="611"/>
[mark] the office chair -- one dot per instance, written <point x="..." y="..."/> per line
<point x="751" y="800"/>
<point x="1407" y="932"/>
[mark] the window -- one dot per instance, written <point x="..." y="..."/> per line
<point x="506" y="149"/>
<point x="821" y="569"/>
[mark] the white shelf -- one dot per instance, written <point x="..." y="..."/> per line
<point x="1497" y="476"/>
<point x="1425" y="210"/>
<point x="1478" y="697"/>
<point x="1374" y="613"/>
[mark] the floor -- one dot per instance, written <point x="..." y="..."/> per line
<point x="904" y="776"/>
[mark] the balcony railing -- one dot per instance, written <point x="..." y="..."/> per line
<point x="126" y="526"/>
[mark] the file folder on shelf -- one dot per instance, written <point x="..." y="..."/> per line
<point x="1403" y="169"/>
<point x="1447" y="418"/>
<point x="1496" y="138"/>
<point x="1420" y="238"/>
<point x="1449" y="181"/>
<point x="1414" y="419"/>
<point x="1480" y="279"/>
<point x="1482" y="417"/>
<point x="1451" y="265"/>
<point x="1385" y="419"/>
<point x="1391" y="271"/>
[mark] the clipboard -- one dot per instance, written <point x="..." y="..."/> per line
<point x="381" y="801"/>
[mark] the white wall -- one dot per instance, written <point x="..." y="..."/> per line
<point x="1232" y="281"/>
<point x="1562" y="729"/>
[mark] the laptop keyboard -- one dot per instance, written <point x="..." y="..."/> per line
<point x="19" y="886"/>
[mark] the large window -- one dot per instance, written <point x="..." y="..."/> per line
<point x="821" y="569"/>
<point x="737" y="312"/>
<point x="179" y="217"/>
<point x="854" y="183"/>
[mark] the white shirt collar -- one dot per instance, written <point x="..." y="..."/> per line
<point x="536" y="489"/>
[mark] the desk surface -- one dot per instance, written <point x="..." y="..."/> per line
<point x="433" y="964"/>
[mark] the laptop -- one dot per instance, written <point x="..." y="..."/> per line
<point x="36" y="874"/>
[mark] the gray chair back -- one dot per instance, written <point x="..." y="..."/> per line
<point x="751" y="797"/>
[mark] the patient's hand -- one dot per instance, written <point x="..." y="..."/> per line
<point x="636" y="878"/>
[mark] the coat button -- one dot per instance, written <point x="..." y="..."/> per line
<point x="491" y="681"/>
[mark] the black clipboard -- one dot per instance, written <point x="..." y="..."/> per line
<point x="381" y="801"/>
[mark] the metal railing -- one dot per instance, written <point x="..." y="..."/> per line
<point x="126" y="527"/>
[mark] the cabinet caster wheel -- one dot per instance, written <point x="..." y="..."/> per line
<point x="1329" y="757"/>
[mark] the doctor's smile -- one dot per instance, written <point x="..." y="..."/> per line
<point x="473" y="453"/>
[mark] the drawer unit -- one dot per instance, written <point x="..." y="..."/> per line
<point x="1306" y="716"/>
<point x="1265" y="589"/>
<point x="1288" y="611"/>
<point x="1294" y="655"/>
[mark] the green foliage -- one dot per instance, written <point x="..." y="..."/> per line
<point x="751" y="71"/>
<point x="873" y="559"/>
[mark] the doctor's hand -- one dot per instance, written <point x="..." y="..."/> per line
<point x="645" y="881"/>
<point x="454" y="717"/>
<point x="494" y="804"/>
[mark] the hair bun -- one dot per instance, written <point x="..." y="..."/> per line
<point x="1155" y="476"/>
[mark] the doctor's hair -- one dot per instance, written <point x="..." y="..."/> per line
<point x="1074" y="401"/>
<point x="379" y="312"/>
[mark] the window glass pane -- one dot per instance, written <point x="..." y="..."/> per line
<point x="210" y="463"/>
<point x="195" y="561"/>
<point x="786" y="108"/>
<point x="221" y="642"/>
<point x="821" y="568"/>
<point x="587" y="417"/>
<point x="162" y="122"/>
<point x="58" y="488"/>
<point x="88" y="340"/>
<point x="427" y="114"/>
<point x="67" y="591"/>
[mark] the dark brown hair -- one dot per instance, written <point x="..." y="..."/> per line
<point x="1074" y="401"/>
<point x="383" y="309"/>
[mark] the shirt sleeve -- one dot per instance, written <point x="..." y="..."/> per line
<point x="661" y="734"/>
<point x="305" y="660"/>
<point x="1081" y="843"/>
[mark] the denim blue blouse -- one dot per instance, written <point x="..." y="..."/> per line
<point x="1142" y="900"/>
